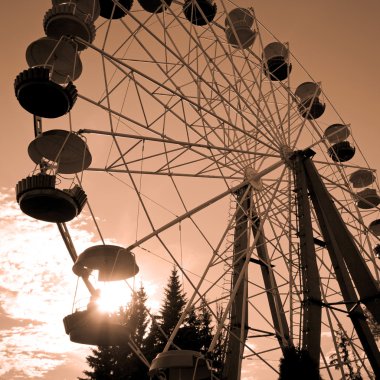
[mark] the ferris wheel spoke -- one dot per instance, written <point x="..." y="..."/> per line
<point x="216" y="67"/>
<point x="192" y="128"/>
<point x="343" y="165"/>
<point x="125" y="117"/>
<point x="176" y="142"/>
<point x="251" y="68"/>
<point x="139" y="124"/>
<point x="186" y="215"/>
<point x="161" y="85"/>
<point x="201" y="232"/>
<point x="164" y="174"/>
<point x="209" y="167"/>
<point x="273" y="97"/>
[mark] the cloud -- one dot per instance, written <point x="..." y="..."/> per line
<point x="14" y="374"/>
<point x="7" y="322"/>
<point x="71" y="368"/>
<point x="37" y="288"/>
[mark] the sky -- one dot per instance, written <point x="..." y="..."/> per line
<point x="337" y="42"/>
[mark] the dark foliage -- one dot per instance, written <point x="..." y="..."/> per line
<point x="297" y="364"/>
<point x="195" y="333"/>
<point x="218" y="356"/>
<point x="351" y="368"/>
<point x="170" y="312"/>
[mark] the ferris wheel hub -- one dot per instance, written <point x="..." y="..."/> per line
<point x="286" y="152"/>
<point x="251" y="175"/>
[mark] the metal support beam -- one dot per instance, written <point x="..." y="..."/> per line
<point x="337" y="248"/>
<point x="277" y="311"/>
<point x="362" y="277"/>
<point x="239" y="308"/>
<point x="72" y="252"/>
<point x="312" y="314"/>
<point x="37" y="122"/>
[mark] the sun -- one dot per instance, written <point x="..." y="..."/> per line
<point x="113" y="296"/>
<point x="116" y="294"/>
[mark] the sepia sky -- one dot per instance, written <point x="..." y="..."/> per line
<point x="336" y="41"/>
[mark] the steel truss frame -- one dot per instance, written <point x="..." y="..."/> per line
<point x="357" y="284"/>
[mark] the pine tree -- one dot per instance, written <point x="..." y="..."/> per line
<point x="218" y="355"/>
<point x="205" y="330"/>
<point x="194" y="334"/>
<point x="174" y="303"/>
<point x="130" y="365"/>
<point x="188" y="336"/>
<point x="136" y="317"/>
<point x="170" y="312"/>
<point x="102" y="363"/>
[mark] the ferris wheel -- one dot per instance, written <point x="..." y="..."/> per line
<point x="230" y="162"/>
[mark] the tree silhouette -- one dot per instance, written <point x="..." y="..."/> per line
<point x="174" y="303"/>
<point x="196" y="332"/>
<point x="130" y="365"/>
<point x="373" y="325"/>
<point x="218" y="355"/>
<point x="205" y="328"/>
<point x="102" y="362"/>
<point x="188" y="336"/>
<point x="170" y="312"/>
<point x="151" y="335"/>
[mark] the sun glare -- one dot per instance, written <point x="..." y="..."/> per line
<point x="113" y="296"/>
